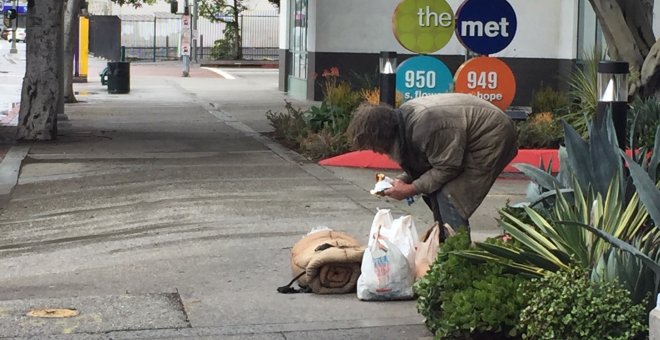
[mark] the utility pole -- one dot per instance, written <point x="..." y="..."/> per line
<point x="186" y="39"/>
<point x="194" y="30"/>
<point x="13" y="49"/>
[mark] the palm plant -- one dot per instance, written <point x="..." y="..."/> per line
<point x="583" y="91"/>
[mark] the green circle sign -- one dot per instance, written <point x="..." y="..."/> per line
<point x="423" y="26"/>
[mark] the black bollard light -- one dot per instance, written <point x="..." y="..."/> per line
<point x="388" y="78"/>
<point x="613" y="96"/>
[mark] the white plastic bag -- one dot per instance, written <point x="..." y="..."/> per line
<point x="404" y="235"/>
<point x="401" y="232"/>
<point x="388" y="264"/>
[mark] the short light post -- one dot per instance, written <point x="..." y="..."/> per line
<point x="388" y="78"/>
<point x="613" y="96"/>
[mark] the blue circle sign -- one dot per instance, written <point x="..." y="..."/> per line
<point x="486" y="26"/>
<point x="422" y="76"/>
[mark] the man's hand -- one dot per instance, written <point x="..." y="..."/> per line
<point x="400" y="190"/>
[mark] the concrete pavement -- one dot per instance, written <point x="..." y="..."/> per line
<point x="170" y="192"/>
<point x="12" y="70"/>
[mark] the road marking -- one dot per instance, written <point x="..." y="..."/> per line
<point x="220" y="72"/>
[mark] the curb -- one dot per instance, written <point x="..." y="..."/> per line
<point x="10" y="169"/>
<point x="240" y="64"/>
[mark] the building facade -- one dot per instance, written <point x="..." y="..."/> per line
<point x="552" y="36"/>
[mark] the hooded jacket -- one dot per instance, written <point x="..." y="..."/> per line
<point x="456" y="143"/>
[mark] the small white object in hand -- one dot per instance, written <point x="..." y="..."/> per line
<point x="382" y="184"/>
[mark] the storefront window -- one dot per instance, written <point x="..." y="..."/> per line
<point x="590" y="35"/>
<point x="299" y="38"/>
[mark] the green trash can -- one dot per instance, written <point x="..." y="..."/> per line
<point x="119" y="77"/>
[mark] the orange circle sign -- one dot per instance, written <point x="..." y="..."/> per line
<point x="487" y="78"/>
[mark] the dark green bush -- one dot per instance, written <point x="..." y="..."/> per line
<point x="540" y="131"/>
<point x="461" y="299"/>
<point x="547" y="99"/>
<point x="643" y="121"/>
<point x="289" y="127"/>
<point x="323" y="144"/>
<point x="567" y="305"/>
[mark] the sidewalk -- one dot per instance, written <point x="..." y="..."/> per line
<point x="165" y="214"/>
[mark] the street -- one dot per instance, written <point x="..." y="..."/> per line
<point x="12" y="70"/>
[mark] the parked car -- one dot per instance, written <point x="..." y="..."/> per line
<point x="20" y="35"/>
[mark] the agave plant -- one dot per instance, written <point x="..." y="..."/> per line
<point x="605" y="218"/>
<point x="549" y="246"/>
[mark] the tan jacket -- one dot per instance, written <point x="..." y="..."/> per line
<point x="454" y="142"/>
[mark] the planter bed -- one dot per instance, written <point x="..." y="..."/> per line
<point x="372" y="160"/>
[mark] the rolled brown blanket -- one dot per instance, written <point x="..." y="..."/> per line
<point x="331" y="261"/>
<point x="334" y="270"/>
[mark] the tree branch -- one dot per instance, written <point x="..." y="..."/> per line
<point x="621" y="41"/>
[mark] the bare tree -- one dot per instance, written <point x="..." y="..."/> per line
<point x="628" y="30"/>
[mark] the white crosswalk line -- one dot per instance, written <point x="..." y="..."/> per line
<point x="224" y="74"/>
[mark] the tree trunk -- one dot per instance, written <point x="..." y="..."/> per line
<point x="628" y="30"/>
<point x="42" y="85"/>
<point x="238" y="41"/>
<point x="70" y="16"/>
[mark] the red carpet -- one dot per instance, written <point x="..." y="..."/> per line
<point x="372" y="160"/>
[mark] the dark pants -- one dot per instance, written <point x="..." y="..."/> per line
<point x="445" y="212"/>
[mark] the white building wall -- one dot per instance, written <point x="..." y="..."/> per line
<point x="284" y="22"/>
<point x="546" y="28"/>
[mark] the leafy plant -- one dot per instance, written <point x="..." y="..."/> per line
<point x="567" y="305"/>
<point x="228" y="13"/>
<point x="323" y="144"/>
<point x="340" y="94"/>
<point x="581" y="224"/>
<point x="320" y="131"/>
<point x="372" y="96"/>
<point x="288" y="127"/>
<point x="223" y="49"/>
<point x="547" y="99"/>
<point x="541" y="130"/>
<point x="584" y="92"/>
<point x="337" y="106"/>
<point x="643" y="120"/>
<point x="462" y="299"/>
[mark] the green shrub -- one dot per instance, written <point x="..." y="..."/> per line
<point x="463" y="299"/>
<point x="329" y="117"/>
<point x="643" y="121"/>
<point x="288" y="127"/>
<point x="547" y="99"/>
<point x="222" y="49"/>
<point x="567" y="305"/>
<point x="323" y="144"/>
<point x="540" y="131"/>
<point x="227" y="48"/>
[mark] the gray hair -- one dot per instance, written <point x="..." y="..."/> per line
<point x="373" y="127"/>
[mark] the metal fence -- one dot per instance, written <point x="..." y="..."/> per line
<point x="157" y="37"/>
